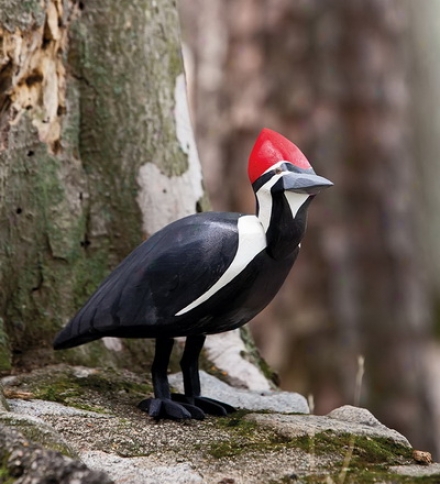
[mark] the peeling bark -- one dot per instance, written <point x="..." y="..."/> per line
<point x="32" y="74"/>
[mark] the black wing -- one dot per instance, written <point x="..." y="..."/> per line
<point x="141" y="297"/>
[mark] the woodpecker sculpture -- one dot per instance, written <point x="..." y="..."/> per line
<point x="206" y="273"/>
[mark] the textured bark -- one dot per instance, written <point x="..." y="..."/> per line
<point x="332" y="76"/>
<point x="87" y="99"/>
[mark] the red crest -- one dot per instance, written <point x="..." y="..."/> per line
<point x="270" y="148"/>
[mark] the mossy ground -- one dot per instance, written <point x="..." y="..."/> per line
<point x="95" y="390"/>
<point x="368" y="462"/>
<point x="5" y="476"/>
<point x="217" y="447"/>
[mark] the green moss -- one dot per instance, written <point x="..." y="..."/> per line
<point x="60" y="390"/>
<point x="5" y="351"/>
<point x="108" y="384"/>
<point x="66" y="388"/>
<point x="88" y="274"/>
<point x="364" y="476"/>
<point x="367" y="450"/>
<point x="21" y="15"/>
<point x="369" y="461"/>
<point x="40" y="249"/>
<point x="5" y="476"/>
<point x="244" y="436"/>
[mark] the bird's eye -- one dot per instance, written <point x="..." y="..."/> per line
<point x="278" y="171"/>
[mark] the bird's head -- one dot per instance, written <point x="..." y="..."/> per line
<point x="277" y="161"/>
<point x="278" y="168"/>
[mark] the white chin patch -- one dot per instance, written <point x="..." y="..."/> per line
<point x="265" y="202"/>
<point x="295" y="201"/>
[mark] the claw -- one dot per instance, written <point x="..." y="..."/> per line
<point x="204" y="404"/>
<point x="164" y="408"/>
<point x="211" y="406"/>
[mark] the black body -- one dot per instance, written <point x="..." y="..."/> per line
<point x="140" y="298"/>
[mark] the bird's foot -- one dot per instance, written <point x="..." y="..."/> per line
<point x="165" y="408"/>
<point x="207" y="405"/>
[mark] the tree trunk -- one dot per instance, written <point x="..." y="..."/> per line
<point x="96" y="154"/>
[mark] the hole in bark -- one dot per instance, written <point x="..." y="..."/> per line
<point x="47" y="39"/>
<point x="6" y="77"/>
<point x="19" y="210"/>
<point x="31" y="153"/>
<point x="85" y="243"/>
<point x="61" y="110"/>
<point x="199" y="208"/>
<point x="80" y="196"/>
<point x="164" y="190"/>
<point x="34" y="78"/>
<point x="81" y="5"/>
<point x="56" y="146"/>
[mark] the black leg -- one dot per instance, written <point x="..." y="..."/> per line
<point x="190" y="365"/>
<point x="162" y="406"/>
<point x="191" y="380"/>
<point x="159" y="368"/>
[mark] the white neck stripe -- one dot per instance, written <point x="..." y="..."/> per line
<point x="264" y="197"/>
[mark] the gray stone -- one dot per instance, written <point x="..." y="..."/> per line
<point x="355" y="422"/>
<point x="275" y="401"/>
<point x="29" y="463"/>
<point x="357" y="415"/>
<point x="37" y="430"/>
<point x="365" y="420"/>
<point x="39" y="408"/>
<point x="417" y="470"/>
<point x="141" y="469"/>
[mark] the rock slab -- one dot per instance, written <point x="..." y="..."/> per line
<point x="343" y="420"/>
<point x="274" y="401"/>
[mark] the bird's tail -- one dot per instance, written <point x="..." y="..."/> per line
<point x="64" y="339"/>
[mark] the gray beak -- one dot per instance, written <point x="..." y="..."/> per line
<point x="305" y="183"/>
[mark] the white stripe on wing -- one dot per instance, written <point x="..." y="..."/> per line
<point x="251" y="241"/>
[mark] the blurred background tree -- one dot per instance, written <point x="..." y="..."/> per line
<point x="343" y="79"/>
